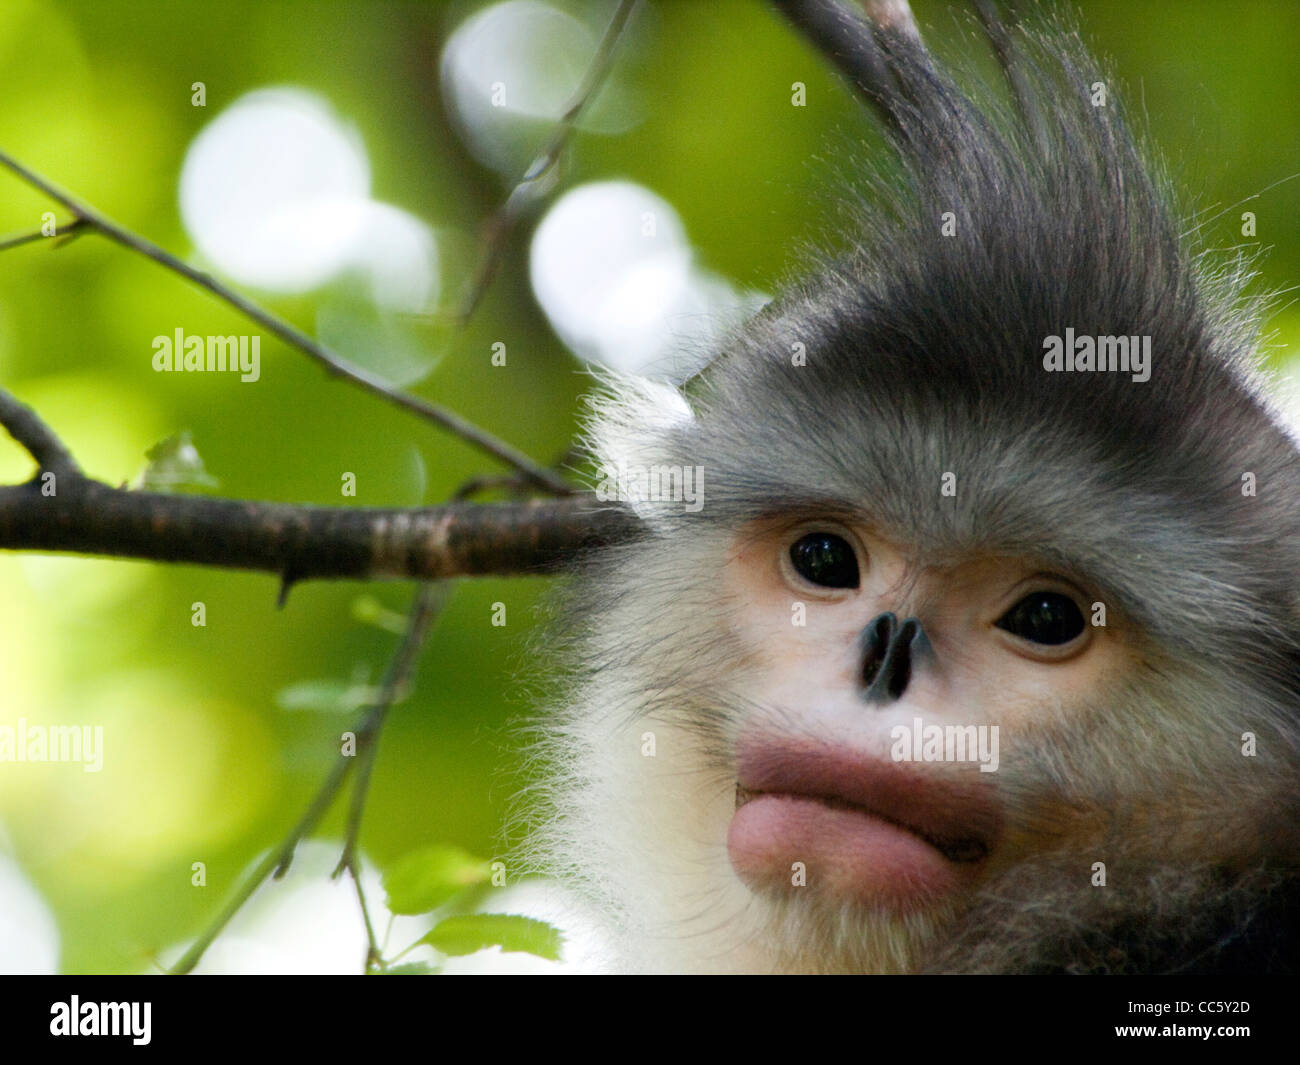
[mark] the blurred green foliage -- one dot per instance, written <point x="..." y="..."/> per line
<point x="202" y="763"/>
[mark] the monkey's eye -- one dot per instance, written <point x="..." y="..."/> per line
<point x="825" y="559"/>
<point x="1049" y="618"/>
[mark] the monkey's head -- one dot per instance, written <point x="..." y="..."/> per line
<point x="964" y="630"/>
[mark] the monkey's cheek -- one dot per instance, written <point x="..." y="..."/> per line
<point x="791" y="844"/>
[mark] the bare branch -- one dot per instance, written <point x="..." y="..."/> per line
<point x="85" y="516"/>
<point x="502" y="223"/>
<point x="425" y="609"/>
<point x="62" y="235"/>
<point x="330" y="360"/>
<point x="457" y="539"/>
<point x="305" y="542"/>
<point x="374" y="953"/>
<point x="429" y="603"/>
<point x="274" y="860"/>
<point x="26" y="427"/>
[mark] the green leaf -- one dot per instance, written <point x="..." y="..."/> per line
<point x="335" y="696"/>
<point x="370" y="611"/>
<point x="466" y="933"/>
<point x="427" y="878"/>
<point x="174" y="463"/>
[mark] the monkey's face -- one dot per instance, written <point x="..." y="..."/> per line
<point x="880" y="729"/>
<point x="865" y="654"/>
<point x="1034" y="688"/>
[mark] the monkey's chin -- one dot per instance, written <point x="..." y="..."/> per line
<point x="793" y="843"/>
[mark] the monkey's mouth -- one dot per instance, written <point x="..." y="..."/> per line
<point x="960" y="849"/>
<point x="854" y="826"/>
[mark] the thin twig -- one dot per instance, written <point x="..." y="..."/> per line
<point x="277" y="862"/>
<point x="374" y="953"/>
<point x="487" y="483"/>
<point x="62" y="235"/>
<point x="428" y="605"/>
<point x="498" y="228"/>
<point x="510" y="482"/>
<point x="41" y="442"/>
<point x="293" y="336"/>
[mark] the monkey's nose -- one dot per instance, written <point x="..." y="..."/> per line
<point x="888" y="653"/>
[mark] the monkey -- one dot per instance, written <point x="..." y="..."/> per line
<point x="982" y="651"/>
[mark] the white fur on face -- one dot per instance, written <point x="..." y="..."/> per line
<point x="686" y="644"/>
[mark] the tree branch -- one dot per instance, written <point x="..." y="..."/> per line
<point x="26" y="427"/>
<point x="458" y="539"/>
<point x="62" y="235"/>
<point x="425" y="609"/>
<point x="502" y="223"/>
<point x="304" y="542"/>
<point x="273" y="860"/>
<point x="428" y="605"/>
<point x="333" y="362"/>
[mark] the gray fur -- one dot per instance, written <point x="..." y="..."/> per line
<point x="924" y="356"/>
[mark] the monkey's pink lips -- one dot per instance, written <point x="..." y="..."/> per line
<point x="885" y="833"/>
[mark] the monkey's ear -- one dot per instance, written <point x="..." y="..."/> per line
<point x="635" y="424"/>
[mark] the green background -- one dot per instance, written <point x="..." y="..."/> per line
<point x="202" y="765"/>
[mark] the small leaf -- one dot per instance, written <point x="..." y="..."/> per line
<point x="414" y="968"/>
<point x="174" y="463"/>
<point x="466" y="933"/>
<point x="425" y="879"/>
<point x="329" y="695"/>
<point x="369" y="610"/>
